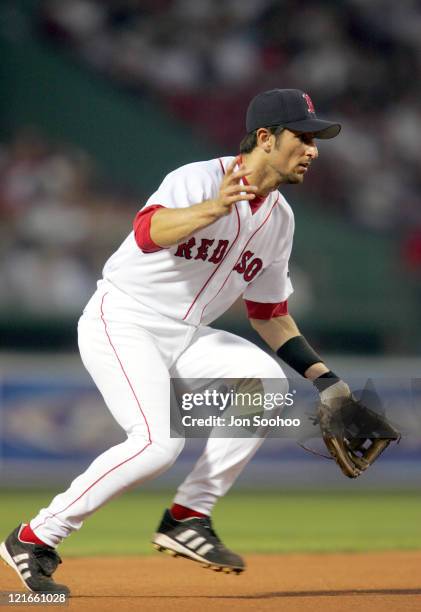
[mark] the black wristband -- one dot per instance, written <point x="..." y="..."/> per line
<point x="325" y="381"/>
<point x="298" y="354"/>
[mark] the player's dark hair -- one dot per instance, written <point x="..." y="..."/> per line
<point x="249" y="141"/>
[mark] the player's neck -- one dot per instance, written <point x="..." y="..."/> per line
<point x="259" y="174"/>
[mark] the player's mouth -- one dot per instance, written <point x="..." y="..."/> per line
<point x="303" y="167"/>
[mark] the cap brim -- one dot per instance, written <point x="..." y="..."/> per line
<point x="320" y="128"/>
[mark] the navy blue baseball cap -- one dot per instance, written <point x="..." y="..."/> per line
<point x="289" y="108"/>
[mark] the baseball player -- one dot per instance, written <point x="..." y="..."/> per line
<point x="211" y="232"/>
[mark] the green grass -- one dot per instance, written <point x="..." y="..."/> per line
<point x="258" y="522"/>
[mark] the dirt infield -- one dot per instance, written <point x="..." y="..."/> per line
<point x="339" y="582"/>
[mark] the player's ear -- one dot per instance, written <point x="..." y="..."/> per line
<point x="264" y="140"/>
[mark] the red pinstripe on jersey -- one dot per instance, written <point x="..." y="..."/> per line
<point x="239" y="258"/>
<point x="148" y="443"/>
<point x="217" y="267"/>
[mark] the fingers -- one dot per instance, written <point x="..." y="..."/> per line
<point x="242" y="171"/>
<point x="232" y="188"/>
<point x="232" y="165"/>
<point x="236" y="193"/>
<point x="233" y="182"/>
<point x="239" y="197"/>
<point x="237" y="176"/>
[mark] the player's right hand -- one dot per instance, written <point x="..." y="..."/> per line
<point x="232" y="189"/>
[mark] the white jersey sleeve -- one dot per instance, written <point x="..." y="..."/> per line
<point x="184" y="187"/>
<point x="274" y="285"/>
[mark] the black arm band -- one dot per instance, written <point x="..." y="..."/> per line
<point x="326" y="380"/>
<point x="298" y="354"/>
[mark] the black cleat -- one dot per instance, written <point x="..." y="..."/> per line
<point x="195" y="539"/>
<point x="33" y="563"/>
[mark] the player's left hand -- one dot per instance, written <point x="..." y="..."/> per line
<point x="336" y="391"/>
<point x="354" y="434"/>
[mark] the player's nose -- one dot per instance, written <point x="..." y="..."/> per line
<point x="312" y="151"/>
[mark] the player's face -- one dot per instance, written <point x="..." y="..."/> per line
<point x="292" y="154"/>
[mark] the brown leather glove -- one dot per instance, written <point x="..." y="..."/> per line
<point x="354" y="434"/>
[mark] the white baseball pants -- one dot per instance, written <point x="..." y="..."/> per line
<point x="131" y="352"/>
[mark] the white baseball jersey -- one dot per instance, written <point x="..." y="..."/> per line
<point x="201" y="277"/>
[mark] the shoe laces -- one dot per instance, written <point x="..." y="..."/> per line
<point x="207" y="524"/>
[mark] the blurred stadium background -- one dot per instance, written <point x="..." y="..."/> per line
<point x="101" y="98"/>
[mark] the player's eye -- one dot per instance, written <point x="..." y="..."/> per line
<point x="307" y="138"/>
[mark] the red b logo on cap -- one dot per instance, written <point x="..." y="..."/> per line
<point x="310" y="105"/>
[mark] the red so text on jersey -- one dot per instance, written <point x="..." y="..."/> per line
<point x="208" y="249"/>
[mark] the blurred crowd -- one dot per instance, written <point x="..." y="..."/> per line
<point x="58" y="222"/>
<point x="203" y="60"/>
<point x="359" y="60"/>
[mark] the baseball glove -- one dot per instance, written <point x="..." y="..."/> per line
<point x="354" y="434"/>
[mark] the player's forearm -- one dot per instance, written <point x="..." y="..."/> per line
<point x="171" y="225"/>
<point x="277" y="332"/>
